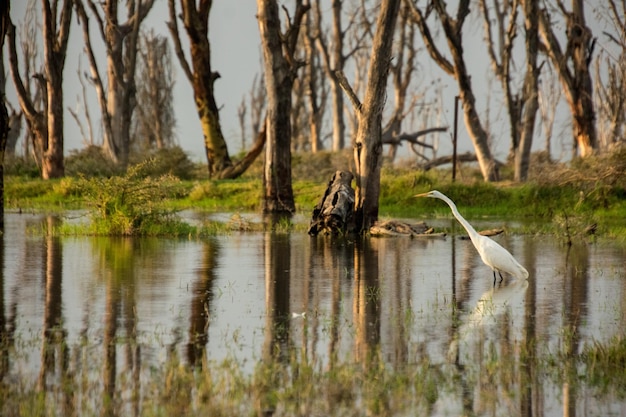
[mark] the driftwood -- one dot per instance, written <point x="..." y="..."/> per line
<point x="488" y="232"/>
<point x="334" y="212"/>
<point x="398" y="228"/>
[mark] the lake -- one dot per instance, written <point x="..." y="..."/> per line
<point x="94" y="325"/>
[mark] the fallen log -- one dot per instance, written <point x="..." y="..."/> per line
<point x="488" y="232"/>
<point x="398" y="228"/>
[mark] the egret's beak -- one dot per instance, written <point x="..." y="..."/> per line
<point x="421" y="195"/>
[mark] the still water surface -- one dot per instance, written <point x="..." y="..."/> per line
<point x="131" y="302"/>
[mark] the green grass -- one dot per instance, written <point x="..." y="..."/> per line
<point x="540" y="205"/>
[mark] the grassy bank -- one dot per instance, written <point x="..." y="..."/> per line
<point x="556" y="196"/>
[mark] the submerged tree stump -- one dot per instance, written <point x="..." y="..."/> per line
<point x="334" y="212"/>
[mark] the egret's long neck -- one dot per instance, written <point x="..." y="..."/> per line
<point x="470" y="230"/>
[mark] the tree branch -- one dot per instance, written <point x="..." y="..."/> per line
<point x="434" y="52"/>
<point x="345" y="86"/>
<point x="83" y="20"/>
<point x="178" y="47"/>
<point x="412" y="137"/>
<point x="25" y="102"/>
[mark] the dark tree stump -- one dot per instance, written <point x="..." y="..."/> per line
<point x="333" y="214"/>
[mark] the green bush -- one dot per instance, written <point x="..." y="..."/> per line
<point x="130" y="204"/>
<point x="90" y="162"/>
<point x="171" y="161"/>
<point x="20" y="166"/>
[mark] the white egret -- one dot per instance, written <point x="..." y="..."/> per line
<point x="492" y="254"/>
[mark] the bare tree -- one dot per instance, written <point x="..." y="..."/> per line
<point x="258" y="103"/>
<point x="331" y="49"/>
<point x="522" y="105"/>
<point x="241" y="116"/>
<point x="82" y="107"/>
<point x="402" y="69"/>
<point x="5" y="22"/>
<point x="202" y="78"/>
<point x="500" y="50"/>
<point x="315" y="87"/>
<point x="154" y="121"/>
<point x="549" y="96"/>
<point x="368" y="142"/>
<point x="12" y="120"/>
<point x="254" y="103"/>
<point x="28" y="34"/>
<point x="281" y="67"/>
<point x="452" y="28"/>
<point x="529" y="100"/>
<point x="611" y="94"/>
<point x="118" y="100"/>
<point x="47" y="125"/>
<point x="15" y="128"/>
<point x="572" y="65"/>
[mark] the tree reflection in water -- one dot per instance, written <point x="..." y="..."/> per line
<point x="202" y="295"/>
<point x="107" y="314"/>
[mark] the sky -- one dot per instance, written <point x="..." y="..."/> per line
<point x="235" y="44"/>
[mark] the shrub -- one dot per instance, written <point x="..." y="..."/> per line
<point x="90" y="162"/>
<point x="130" y="204"/>
<point x="173" y="161"/>
<point x="20" y="166"/>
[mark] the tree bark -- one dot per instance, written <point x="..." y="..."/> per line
<point x="196" y="21"/>
<point x="500" y="53"/>
<point x="280" y="70"/>
<point x="117" y="102"/>
<point x="313" y="86"/>
<point x="453" y="31"/>
<point x="47" y="125"/>
<point x="333" y="213"/>
<point x="530" y="93"/>
<point x="401" y="73"/>
<point x="334" y="60"/>
<point x="5" y="22"/>
<point x="55" y="50"/>
<point x="202" y="77"/>
<point x="368" y="142"/>
<point x="572" y="66"/>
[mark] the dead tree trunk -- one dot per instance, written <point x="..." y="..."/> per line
<point x="117" y="100"/>
<point x="202" y="78"/>
<point x="280" y="70"/>
<point x="572" y="66"/>
<point x="333" y="214"/>
<point x="47" y="124"/>
<point x="530" y="93"/>
<point x="522" y="106"/>
<point x="368" y="144"/>
<point x="5" y="22"/>
<point x="333" y="60"/>
<point x="457" y="68"/>
<point x="402" y="70"/>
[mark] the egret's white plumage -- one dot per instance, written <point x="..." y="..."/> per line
<point x="492" y="254"/>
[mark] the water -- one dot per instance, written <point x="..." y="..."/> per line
<point x="132" y="303"/>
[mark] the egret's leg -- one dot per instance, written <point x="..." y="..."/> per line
<point x="494" y="277"/>
<point x="500" y="273"/>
